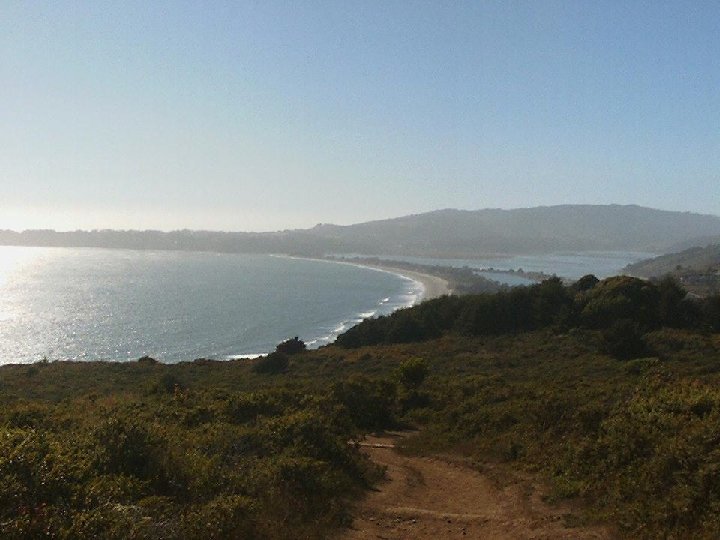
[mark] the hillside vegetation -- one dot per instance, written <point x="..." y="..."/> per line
<point x="697" y="268"/>
<point x="609" y="390"/>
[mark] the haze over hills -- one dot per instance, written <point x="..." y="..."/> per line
<point x="696" y="260"/>
<point x="526" y="230"/>
<point x="701" y="241"/>
<point x="442" y="233"/>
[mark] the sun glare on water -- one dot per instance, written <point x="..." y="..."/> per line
<point x="13" y="261"/>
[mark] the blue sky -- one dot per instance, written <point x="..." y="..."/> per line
<point x="270" y="115"/>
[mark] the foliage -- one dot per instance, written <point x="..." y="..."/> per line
<point x="624" y="340"/>
<point x="589" y="303"/>
<point x="412" y="373"/>
<point x="272" y="364"/>
<point x="528" y="377"/>
<point x="370" y="403"/>
<point x="586" y="283"/>
<point x="291" y="346"/>
<point x="182" y="466"/>
<point x="655" y="461"/>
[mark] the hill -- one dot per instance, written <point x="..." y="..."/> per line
<point x="697" y="259"/>
<point x="700" y="241"/>
<point x="442" y="233"/>
<point x="462" y="233"/>
<point x="697" y="268"/>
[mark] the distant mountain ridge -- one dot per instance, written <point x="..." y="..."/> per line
<point x="526" y="230"/>
<point x="441" y="233"/>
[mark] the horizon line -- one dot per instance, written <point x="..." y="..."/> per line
<point x="323" y="224"/>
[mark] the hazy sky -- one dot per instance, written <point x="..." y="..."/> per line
<point x="269" y="115"/>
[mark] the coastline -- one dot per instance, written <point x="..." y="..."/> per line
<point x="430" y="287"/>
<point x="433" y="286"/>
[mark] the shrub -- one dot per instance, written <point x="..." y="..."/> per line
<point x="291" y="346"/>
<point x="168" y="383"/>
<point x="624" y="340"/>
<point x="619" y="298"/>
<point x="127" y="447"/>
<point x="412" y="373"/>
<point x="370" y="403"/>
<point x="228" y="516"/>
<point x="272" y="364"/>
<point x="660" y="465"/>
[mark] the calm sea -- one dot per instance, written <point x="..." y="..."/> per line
<point x="91" y="304"/>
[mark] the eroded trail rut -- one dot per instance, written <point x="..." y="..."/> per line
<point x="433" y="497"/>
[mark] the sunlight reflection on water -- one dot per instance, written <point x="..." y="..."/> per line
<point x="14" y="260"/>
<point x="89" y="304"/>
<point x="13" y="263"/>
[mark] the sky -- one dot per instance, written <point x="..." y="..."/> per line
<point x="272" y="115"/>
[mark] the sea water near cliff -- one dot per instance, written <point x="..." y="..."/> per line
<point x="98" y="304"/>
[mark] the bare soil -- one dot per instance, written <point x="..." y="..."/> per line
<point x="440" y="497"/>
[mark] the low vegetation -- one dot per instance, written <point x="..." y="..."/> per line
<point x="609" y="390"/>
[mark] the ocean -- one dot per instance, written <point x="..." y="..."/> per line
<point x="118" y="305"/>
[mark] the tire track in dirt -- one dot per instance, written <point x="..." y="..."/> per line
<point x="434" y="498"/>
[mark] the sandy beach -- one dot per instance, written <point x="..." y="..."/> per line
<point x="434" y="286"/>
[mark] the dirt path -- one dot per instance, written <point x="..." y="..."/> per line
<point x="433" y="497"/>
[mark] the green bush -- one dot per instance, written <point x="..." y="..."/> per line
<point x="624" y="340"/>
<point x="370" y="403"/>
<point x="412" y="373"/>
<point x="256" y="465"/>
<point x="272" y="364"/>
<point x="228" y="516"/>
<point x="659" y="462"/>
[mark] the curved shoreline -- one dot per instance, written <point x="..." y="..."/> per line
<point x="432" y="286"/>
<point x="429" y="287"/>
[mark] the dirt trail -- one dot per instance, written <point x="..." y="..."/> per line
<point x="433" y="497"/>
